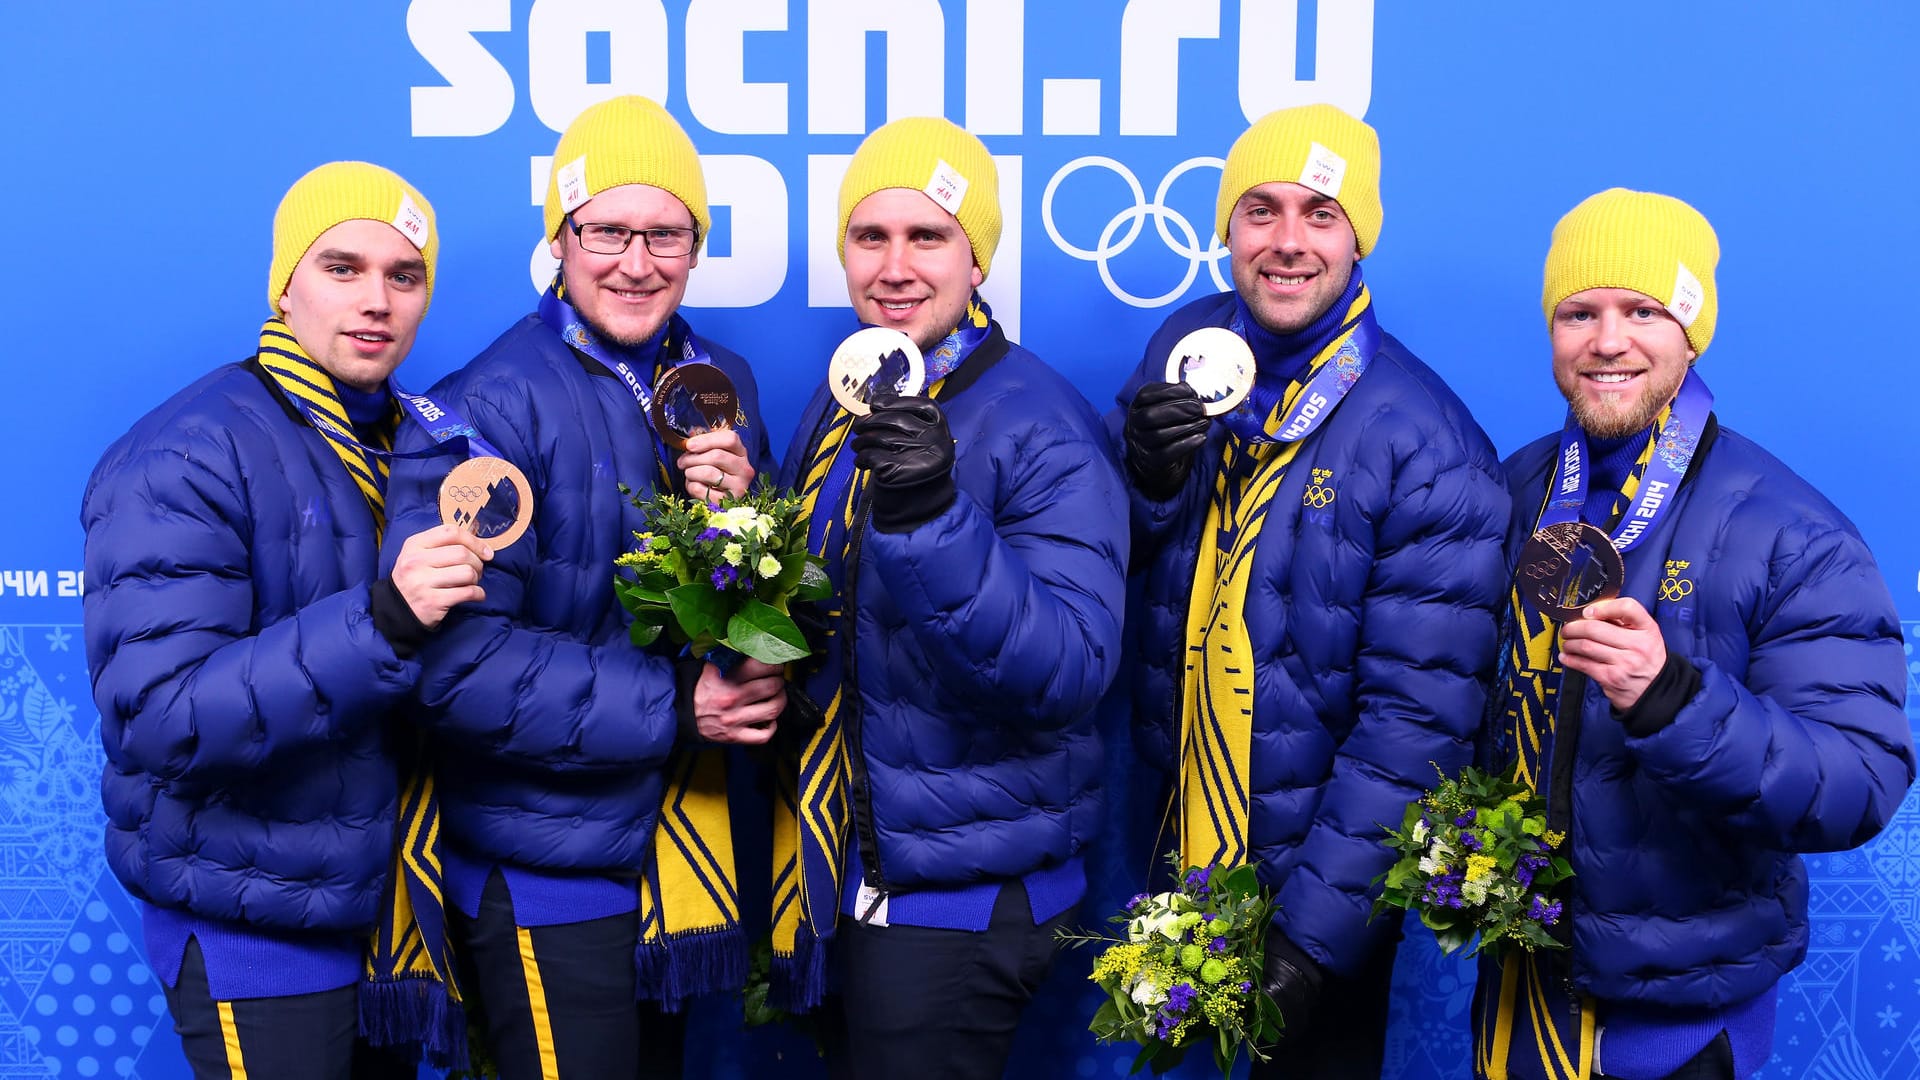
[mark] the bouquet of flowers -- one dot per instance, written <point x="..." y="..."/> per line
<point x="1187" y="969"/>
<point x="1476" y="857"/>
<point x="721" y="577"/>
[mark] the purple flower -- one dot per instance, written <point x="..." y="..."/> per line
<point x="1139" y="900"/>
<point x="1542" y="912"/>
<point x="1470" y="841"/>
<point x="711" y="533"/>
<point x="1197" y="878"/>
<point x="1206" y="916"/>
<point x="1246" y="987"/>
<point x="724" y="576"/>
<point x="1466" y="819"/>
<point x="1217" y="945"/>
<point x="1180" y="998"/>
<point x="1523" y="874"/>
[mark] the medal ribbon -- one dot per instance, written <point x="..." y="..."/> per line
<point x="1673" y="447"/>
<point x="813" y="807"/>
<point x="1216" y="710"/>
<point x="409" y="993"/>
<point x="629" y="363"/>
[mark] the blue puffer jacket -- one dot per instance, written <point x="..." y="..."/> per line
<point x="548" y="725"/>
<point x="1688" y="889"/>
<point x="244" y="693"/>
<point x="1373" y="622"/>
<point x="983" y="639"/>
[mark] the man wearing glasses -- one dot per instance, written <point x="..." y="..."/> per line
<point x="556" y="739"/>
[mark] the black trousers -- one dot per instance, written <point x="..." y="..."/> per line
<point x="1714" y="1062"/>
<point x="558" y="1001"/>
<point x="1346" y="1038"/>
<point x="932" y="1004"/>
<point x="303" y="1037"/>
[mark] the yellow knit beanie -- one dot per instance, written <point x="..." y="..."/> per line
<point x="935" y="156"/>
<point x="1652" y="244"/>
<point x="1317" y="146"/>
<point x="625" y="140"/>
<point x="346" y="191"/>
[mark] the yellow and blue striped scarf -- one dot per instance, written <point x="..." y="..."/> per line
<point x="812" y="808"/>
<point x="408" y="994"/>
<point x="1530" y="1028"/>
<point x="1216" y="707"/>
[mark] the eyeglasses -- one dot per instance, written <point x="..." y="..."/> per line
<point x="601" y="239"/>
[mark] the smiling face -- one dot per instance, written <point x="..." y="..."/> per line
<point x="1619" y="358"/>
<point x="1292" y="251"/>
<point x="909" y="265"/>
<point x="355" y="300"/>
<point x="626" y="298"/>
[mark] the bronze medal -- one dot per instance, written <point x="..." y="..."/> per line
<point x="876" y="360"/>
<point x="1217" y="364"/>
<point x="693" y="399"/>
<point x="488" y="497"/>
<point x="1567" y="566"/>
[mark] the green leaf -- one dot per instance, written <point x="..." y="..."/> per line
<point x="643" y="635"/>
<point x="763" y="633"/>
<point x="814" y="583"/>
<point x="698" y="609"/>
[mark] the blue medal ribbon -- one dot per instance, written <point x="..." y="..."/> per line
<point x="1258" y="418"/>
<point x="1673" y="451"/>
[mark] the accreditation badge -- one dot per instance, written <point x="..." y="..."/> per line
<point x="876" y="360"/>
<point x="1217" y="364"/>
<point x="490" y="498"/>
<point x="1568" y="565"/>
<point x="692" y="399"/>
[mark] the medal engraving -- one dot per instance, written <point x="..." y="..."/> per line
<point x="1217" y="364"/>
<point x="1566" y="566"/>
<point x="490" y="498"/>
<point x="693" y="399"/>
<point x="872" y="361"/>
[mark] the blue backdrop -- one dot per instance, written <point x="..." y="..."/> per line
<point x="148" y="144"/>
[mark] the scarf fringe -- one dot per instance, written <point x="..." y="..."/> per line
<point x="690" y="964"/>
<point x="797" y="982"/>
<point x="415" y="1009"/>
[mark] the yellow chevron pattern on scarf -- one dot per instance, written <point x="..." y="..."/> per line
<point x="1531" y="1016"/>
<point x="402" y="956"/>
<point x="811" y="808"/>
<point x="1216" y="707"/>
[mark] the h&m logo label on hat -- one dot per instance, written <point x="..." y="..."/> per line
<point x="947" y="187"/>
<point x="571" y="179"/>
<point x="411" y="221"/>
<point x="1323" y="171"/>
<point x="1688" y="295"/>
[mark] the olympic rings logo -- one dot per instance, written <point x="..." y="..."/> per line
<point x="1166" y="222"/>
<point x="1676" y="588"/>
<point x="466" y="493"/>
<point x="1317" y="497"/>
<point x="1539" y="571"/>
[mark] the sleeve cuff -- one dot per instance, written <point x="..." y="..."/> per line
<point x="1677" y="683"/>
<point x="395" y="620"/>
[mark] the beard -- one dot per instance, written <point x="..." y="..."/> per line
<point x="1616" y="416"/>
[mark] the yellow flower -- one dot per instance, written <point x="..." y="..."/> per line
<point x="1480" y="867"/>
<point x="1119" y="962"/>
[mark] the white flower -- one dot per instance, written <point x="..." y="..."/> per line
<point x="769" y="566"/>
<point x="1147" y="993"/>
<point x="1431" y="866"/>
<point x="1473" y="892"/>
<point x="1421" y="831"/>
<point x="733" y="553"/>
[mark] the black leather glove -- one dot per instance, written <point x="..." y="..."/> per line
<point x="1292" y="979"/>
<point x="1166" y="425"/>
<point x="905" y="445"/>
